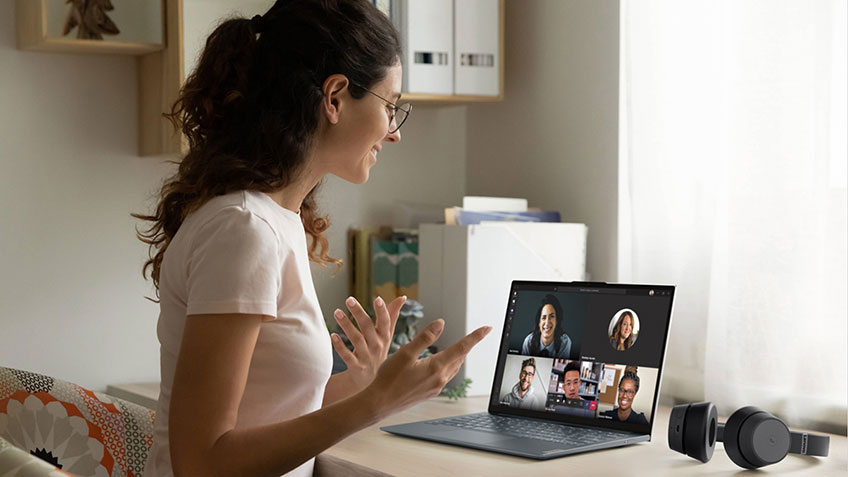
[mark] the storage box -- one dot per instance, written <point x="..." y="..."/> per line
<point x="465" y="274"/>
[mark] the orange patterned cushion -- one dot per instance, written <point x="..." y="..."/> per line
<point x="76" y="430"/>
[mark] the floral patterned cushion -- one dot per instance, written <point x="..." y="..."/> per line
<point x="78" y="431"/>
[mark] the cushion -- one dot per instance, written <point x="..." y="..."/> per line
<point x="79" y="431"/>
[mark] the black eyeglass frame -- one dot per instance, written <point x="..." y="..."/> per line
<point x="395" y="109"/>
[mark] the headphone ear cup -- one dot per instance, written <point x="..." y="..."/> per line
<point x="699" y="431"/>
<point x="764" y="439"/>
<point x="676" y="424"/>
<point x="732" y="438"/>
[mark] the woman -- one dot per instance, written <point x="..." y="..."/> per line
<point x="622" y="334"/>
<point x="628" y="386"/>
<point x="547" y="338"/>
<point x="276" y="103"/>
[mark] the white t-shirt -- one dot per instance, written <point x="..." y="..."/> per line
<point x="244" y="253"/>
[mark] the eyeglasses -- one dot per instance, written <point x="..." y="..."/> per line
<point x="627" y="392"/>
<point x="397" y="114"/>
<point x="525" y="373"/>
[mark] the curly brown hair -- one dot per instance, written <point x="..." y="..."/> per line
<point x="250" y="109"/>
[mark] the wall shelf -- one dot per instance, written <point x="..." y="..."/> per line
<point x="37" y="30"/>
<point x="159" y="65"/>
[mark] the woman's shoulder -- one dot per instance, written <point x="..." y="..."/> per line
<point x="228" y="211"/>
<point x="638" y="417"/>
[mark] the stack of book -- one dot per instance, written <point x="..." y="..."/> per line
<point x="477" y="210"/>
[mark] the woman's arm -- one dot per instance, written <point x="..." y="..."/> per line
<point x="340" y="386"/>
<point x="210" y="378"/>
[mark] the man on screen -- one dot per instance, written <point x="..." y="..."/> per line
<point x="523" y="395"/>
<point x="571" y="381"/>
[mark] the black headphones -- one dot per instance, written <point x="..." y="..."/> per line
<point x="752" y="437"/>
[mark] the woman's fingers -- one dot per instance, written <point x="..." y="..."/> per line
<point x="366" y="327"/>
<point x="352" y="333"/>
<point x="345" y="354"/>
<point x="383" y="318"/>
<point x="394" y="312"/>
<point x="424" y="339"/>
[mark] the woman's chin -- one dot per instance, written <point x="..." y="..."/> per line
<point x="357" y="178"/>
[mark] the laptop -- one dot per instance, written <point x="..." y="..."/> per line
<point x="579" y="369"/>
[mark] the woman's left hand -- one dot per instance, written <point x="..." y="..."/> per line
<point x="371" y="341"/>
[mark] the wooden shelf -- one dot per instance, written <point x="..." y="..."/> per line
<point x="32" y="34"/>
<point x="160" y="77"/>
<point x="438" y="99"/>
<point x="160" y="67"/>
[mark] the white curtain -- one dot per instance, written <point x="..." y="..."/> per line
<point x="733" y="187"/>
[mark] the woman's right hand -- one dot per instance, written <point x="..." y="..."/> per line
<point x="404" y="380"/>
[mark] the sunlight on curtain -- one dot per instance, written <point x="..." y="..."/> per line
<point x="733" y="187"/>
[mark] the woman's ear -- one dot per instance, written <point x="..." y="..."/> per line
<point x="335" y="90"/>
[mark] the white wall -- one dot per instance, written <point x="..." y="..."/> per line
<point x="554" y="138"/>
<point x="71" y="293"/>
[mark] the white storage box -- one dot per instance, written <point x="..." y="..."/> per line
<point x="465" y="273"/>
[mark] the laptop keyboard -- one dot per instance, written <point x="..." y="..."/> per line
<point x="516" y="427"/>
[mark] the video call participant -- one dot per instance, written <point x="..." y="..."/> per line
<point x="573" y="403"/>
<point x="628" y="386"/>
<point x="547" y="339"/>
<point x="523" y="395"/>
<point x="622" y="334"/>
<point x="571" y="381"/>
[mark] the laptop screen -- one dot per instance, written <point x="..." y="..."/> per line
<point x="583" y="353"/>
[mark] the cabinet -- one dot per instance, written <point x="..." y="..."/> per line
<point x="452" y="48"/>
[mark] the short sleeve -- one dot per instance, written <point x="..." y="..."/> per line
<point x="234" y="266"/>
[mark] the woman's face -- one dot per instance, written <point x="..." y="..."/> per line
<point x="626" y="326"/>
<point x="626" y="393"/>
<point x="356" y="140"/>
<point x="547" y="323"/>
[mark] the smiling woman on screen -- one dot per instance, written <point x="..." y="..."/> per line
<point x="547" y="338"/>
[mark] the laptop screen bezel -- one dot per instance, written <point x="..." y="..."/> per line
<point x="564" y="418"/>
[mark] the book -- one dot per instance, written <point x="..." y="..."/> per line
<point x="466" y="217"/>
<point x="500" y="204"/>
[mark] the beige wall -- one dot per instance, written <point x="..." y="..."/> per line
<point x="554" y="139"/>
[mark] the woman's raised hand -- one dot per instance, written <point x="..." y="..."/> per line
<point x="371" y="341"/>
<point x="404" y="380"/>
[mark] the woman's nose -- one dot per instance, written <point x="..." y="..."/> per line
<point x="393" y="137"/>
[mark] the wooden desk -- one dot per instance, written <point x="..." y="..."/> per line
<point x="401" y="456"/>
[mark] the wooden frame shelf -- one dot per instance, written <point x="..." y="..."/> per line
<point x="159" y="67"/>
<point x="32" y="34"/>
